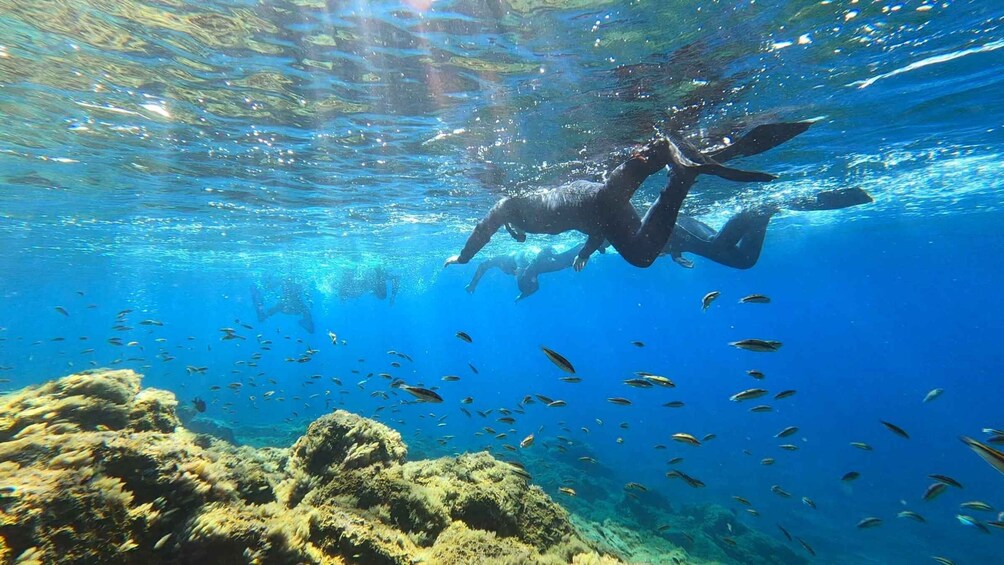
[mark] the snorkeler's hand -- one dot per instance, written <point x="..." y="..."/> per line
<point x="470" y="288"/>
<point x="579" y="263"/>
<point x="452" y="261"/>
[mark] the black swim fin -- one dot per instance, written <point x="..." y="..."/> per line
<point x="831" y="200"/>
<point x="678" y="160"/>
<point x="760" y="139"/>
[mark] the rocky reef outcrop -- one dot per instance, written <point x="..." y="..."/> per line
<point x="94" y="469"/>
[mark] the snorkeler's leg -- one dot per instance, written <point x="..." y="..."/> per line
<point x="258" y="302"/>
<point x="483" y="232"/>
<point x="830" y="200"/>
<point x="740" y="241"/>
<point x="639" y="242"/>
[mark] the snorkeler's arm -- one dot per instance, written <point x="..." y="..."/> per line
<point x="592" y="244"/>
<point x="483" y="232"/>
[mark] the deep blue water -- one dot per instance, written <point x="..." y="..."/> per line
<point x="166" y="165"/>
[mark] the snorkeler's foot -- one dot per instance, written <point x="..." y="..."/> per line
<point x="259" y="304"/>
<point x="762" y="138"/>
<point x="831" y="200"/>
<point x="681" y="164"/>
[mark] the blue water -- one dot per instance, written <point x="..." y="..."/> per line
<point x="158" y="159"/>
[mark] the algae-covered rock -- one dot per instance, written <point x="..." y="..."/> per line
<point x="95" y="470"/>
<point x="345" y="440"/>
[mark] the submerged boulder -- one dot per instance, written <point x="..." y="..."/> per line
<point x="94" y="469"/>
<point x="342" y="440"/>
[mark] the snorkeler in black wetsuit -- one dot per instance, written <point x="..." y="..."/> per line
<point x="737" y="244"/>
<point x="291" y="301"/>
<point x="604" y="211"/>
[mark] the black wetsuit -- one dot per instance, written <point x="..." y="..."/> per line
<point x="603" y="211"/>
<point x="737" y="244"/>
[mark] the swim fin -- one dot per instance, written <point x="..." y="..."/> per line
<point x="831" y="200"/>
<point x="761" y="138"/>
<point x="706" y="166"/>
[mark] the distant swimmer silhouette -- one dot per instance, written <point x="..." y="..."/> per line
<point x="603" y="211"/>
<point x="369" y="279"/>
<point x="738" y="244"/>
<point x="291" y="300"/>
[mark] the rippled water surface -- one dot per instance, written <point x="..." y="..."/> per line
<point x="167" y="155"/>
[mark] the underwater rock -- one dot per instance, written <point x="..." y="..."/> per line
<point x="347" y="441"/>
<point x="95" y="470"/>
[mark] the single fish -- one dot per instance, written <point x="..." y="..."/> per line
<point x="674" y="404"/>
<point x="451" y="378"/>
<point x="759" y="345"/>
<point x="748" y="394"/>
<point x="638" y="344"/>
<point x="850" y="476"/>
<point x="990" y="455"/>
<point x="947" y="480"/>
<point x="638" y="383"/>
<point x="784" y="394"/>
<point x="761" y="408"/>
<point x="869" y="522"/>
<point x="786" y="432"/>
<point x="784" y="531"/>
<point x="558" y="360"/>
<point x="755" y="299"/>
<point x="896" y="429"/>
<point x="658" y="380"/>
<point x="473" y="368"/>
<point x="755" y="374"/>
<point x="422" y="394"/>
<point x="970" y="521"/>
<point x="708" y="299"/>
<point x="861" y="445"/>
<point x="556" y="404"/>
<point x="527" y="441"/>
<point x="571" y="379"/>
<point x="200" y="405"/>
<point x="686" y="438"/>
<point x="806" y="547"/>
<point x="619" y="401"/>
<point x="677" y="474"/>
<point x="943" y="560"/>
<point x="567" y="490"/>
<point x="741" y="500"/>
<point x="934" y="490"/>
<point x="808" y="502"/>
<point x="977" y="505"/>
<point x="635" y="486"/>
<point x="61" y="310"/>
<point x="935" y="393"/>
<point x="767" y="461"/>
<point x="464" y="336"/>
<point x="780" y="491"/>
<point x="911" y="515"/>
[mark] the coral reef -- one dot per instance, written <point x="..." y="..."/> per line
<point x="95" y="470"/>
